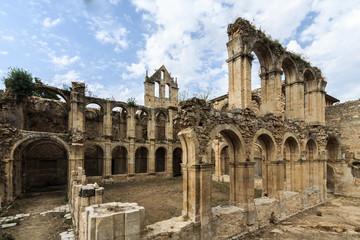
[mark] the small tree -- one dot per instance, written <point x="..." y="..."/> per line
<point x="19" y="82"/>
<point x="131" y="102"/>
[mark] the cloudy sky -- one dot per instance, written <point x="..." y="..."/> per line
<point x="110" y="44"/>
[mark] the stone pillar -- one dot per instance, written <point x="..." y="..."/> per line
<point x="271" y="89"/>
<point x="131" y="163"/>
<point x="151" y="125"/>
<point x="169" y="128"/>
<point x="239" y="65"/>
<point x="216" y="148"/>
<point x="107" y="120"/>
<point x="131" y="123"/>
<point x="197" y="191"/>
<point x="169" y="159"/>
<point x="151" y="157"/>
<point x="298" y="176"/>
<point x="275" y="177"/>
<point x="107" y="160"/>
<point x="294" y="93"/>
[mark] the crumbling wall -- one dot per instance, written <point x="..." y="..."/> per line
<point x="45" y="115"/>
<point x="344" y="118"/>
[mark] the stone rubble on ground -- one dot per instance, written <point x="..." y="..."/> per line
<point x="68" y="235"/>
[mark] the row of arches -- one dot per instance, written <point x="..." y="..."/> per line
<point x="120" y="118"/>
<point x="298" y="168"/>
<point x="94" y="160"/>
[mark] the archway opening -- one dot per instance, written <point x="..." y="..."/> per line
<point x="38" y="164"/>
<point x="330" y="179"/>
<point x="291" y="153"/>
<point x="268" y="152"/>
<point x="119" y="160"/>
<point x="93" y="121"/>
<point x="228" y="153"/>
<point x="94" y="160"/>
<point x="311" y="155"/>
<point x="177" y="160"/>
<point x="258" y="170"/>
<point x="141" y="160"/>
<point x="142" y="118"/>
<point x="333" y="149"/>
<point x="160" y="126"/>
<point x="119" y="123"/>
<point x="160" y="160"/>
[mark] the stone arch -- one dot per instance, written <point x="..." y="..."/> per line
<point x="93" y="160"/>
<point x="290" y="70"/>
<point x="119" y="160"/>
<point x="291" y="155"/>
<point x="333" y="148"/>
<point x="141" y="159"/>
<point x="94" y="119"/>
<point x="272" y="170"/>
<point x="142" y="118"/>
<point x="161" y="119"/>
<point x="311" y="148"/>
<point x="312" y="154"/>
<point x="119" y="121"/>
<point x="56" y="91"/>
<point x="236" y="162"/>
<point x="190" y="146"/>
<point x="264" y="55"/>
<point x="160" y="159"/>
<point x="36" y="161"/>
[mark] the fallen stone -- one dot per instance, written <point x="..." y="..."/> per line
<point x="8" y="225"/>
<point x="277" y="231"/>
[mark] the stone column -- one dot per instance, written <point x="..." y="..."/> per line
<point x="151" y="157"/>
<point x="107" y="160"/>
<point x="239" y="64"/>
<point x="294" y="100"/>
<point x="276" y="179"/>
<point x="131" y="123"/>
<point x="169" y="159"/>
<point x="151" y="125"/>
<point x="217" y="172"/>
<point x="107" y="120"/>
<point x="131" y="163"/>
<point x="271" y="89"/>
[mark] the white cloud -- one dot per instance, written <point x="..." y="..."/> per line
<point x="8" y="38"/>
<point x="294" y="46"/>
<point x="66" y="78"/>
<point x="48" y="23"/>
<point x="3" y="53"/>
<point x="115" y="2"/>
<point x="109" y="30"/>
<point x="64" y="61"/>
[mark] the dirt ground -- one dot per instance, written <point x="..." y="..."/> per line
<point x="339" y="218"/>
<point x="36" y="226"/>
<point x="162" y="198"/>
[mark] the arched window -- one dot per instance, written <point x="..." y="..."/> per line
<point x="160" y="160"/>
<point x="93" y="162"/>
<point x="119" y="161"/>
<point x="141" y="160"/>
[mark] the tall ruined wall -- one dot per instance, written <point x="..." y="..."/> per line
<point x="345" y="119"/>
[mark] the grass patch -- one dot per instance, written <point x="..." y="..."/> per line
<point x="257" y="192"/>
<point x="223" y="187"/>
<point x="68" y="221"/>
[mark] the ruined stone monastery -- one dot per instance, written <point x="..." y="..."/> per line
<point x="288" y="139"/>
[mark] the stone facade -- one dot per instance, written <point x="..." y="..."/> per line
<point x="274" y="139"/>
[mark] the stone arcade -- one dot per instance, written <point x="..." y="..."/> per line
<point x="276" y="139"/>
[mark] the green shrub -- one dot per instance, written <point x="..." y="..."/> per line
<point x="19" y="82"/>
<point x="131" y="102"/>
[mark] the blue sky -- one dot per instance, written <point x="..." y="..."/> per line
<point x="110" y="44"/>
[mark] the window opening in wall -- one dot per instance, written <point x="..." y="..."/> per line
<point x="162" y="74"/>
<point x="141" y="160"/>
<point x="177" y="160"/>
<point x="255" y="72"/>
<point x="93" y="121"/>
<point x="119" y="123"/>
<point x="93" y="162"/>
<point x="157" y="89"/>
<point x="167" y="91"/>
<point x="160" y="160"/>
<point x="119" y="161"/>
